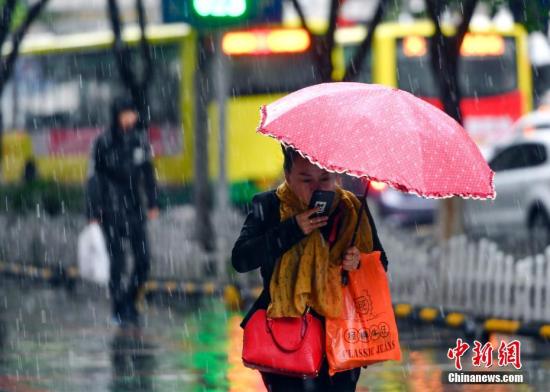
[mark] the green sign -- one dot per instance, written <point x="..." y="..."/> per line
<point x="213" y="14"/>
<point x="220" y="8"/>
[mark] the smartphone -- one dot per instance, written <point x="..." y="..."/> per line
<point x="323" y="201"/>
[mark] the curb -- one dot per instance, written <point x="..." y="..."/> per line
<point x="458" y="320"/>
<point x="32" y="272"/>
<point x="70" y="275"/>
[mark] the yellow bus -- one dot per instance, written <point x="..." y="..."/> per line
<point x="263" y="64"/>
<point x="494" y="76"/>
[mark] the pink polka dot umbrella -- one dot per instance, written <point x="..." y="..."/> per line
<point x="381" y="134"/>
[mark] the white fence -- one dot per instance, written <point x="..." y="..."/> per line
<point x="471" y="277"/>
<point x="41" y="240"/>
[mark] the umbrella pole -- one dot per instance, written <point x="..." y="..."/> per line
<point x="345" y="274"/>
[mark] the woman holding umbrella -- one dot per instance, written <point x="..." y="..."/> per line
<point x="301" y="256"/>
<point x="367" y="131"/>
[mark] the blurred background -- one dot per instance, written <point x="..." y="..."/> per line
<point x="200" y="70"/>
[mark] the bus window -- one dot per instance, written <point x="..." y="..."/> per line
<point x="488" y="75"/>
<point x="271" y="73"/>
<point x="414" y="71"/>
<point x="64" y="93"/>
<point x="269" y="61"/>
<point x="479" y="75"/>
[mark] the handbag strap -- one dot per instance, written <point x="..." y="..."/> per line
<point x="345" y="274"/>
<point x="303" y="332"/>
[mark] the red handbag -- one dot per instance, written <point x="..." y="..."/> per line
<point x="291" y="346"/>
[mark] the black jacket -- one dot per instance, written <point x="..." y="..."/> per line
<point x="264" y="239"/>
<point x="121" y="171"/>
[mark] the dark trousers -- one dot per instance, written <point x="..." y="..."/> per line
<point x="340" y="382"/>
<point x="116" y="230"/>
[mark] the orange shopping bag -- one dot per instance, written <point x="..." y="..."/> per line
<point x="366" y="332"/>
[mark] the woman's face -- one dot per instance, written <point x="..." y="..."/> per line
<point x="304" y="178"/>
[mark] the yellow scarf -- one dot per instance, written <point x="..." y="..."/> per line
<point x="309" y="272"/>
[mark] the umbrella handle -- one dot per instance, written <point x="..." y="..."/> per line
<point x="345" y="274"/>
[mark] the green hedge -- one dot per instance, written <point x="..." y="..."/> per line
<point x="48" y="196"/>
<point x="54" y="198"/>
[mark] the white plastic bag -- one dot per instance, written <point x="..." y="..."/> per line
<point x="93" y="259"/>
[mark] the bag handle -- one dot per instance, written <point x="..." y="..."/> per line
<point x="303" y="332"/>
<point x="345" y="274"/>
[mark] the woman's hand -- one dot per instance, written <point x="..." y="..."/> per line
<point x="351" y="259"/>
<point x="307" y="223"/>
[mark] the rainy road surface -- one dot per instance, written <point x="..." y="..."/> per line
<point x="52" y="340"/>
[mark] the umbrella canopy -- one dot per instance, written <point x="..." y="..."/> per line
<point x="382" y="134"/>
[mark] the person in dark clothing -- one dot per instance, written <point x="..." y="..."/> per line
<point x="270" y="235"/>
<point x="121" y="170"/>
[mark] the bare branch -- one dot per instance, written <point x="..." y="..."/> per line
<point x="141" y="17"/>
<point x="8" y="63"/>
<point x="317" y="54"/>
<point x="434" y="11"/>
<point x="356" y="63"/>
<point x="301" y="15"/>
<point x="462" y="29"/>
<point x="121" y="51"/>
<point x="144" y="46"/>
<point x="114" y="16"/>
<point x="17" y="37"/>
<point x="136" y="84"/>
<point x="332" y="18"/>
<point x="438" y="43"/>
<point x="5" y="20"/>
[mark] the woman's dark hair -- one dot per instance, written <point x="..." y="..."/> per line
<point x="289" y="155"/>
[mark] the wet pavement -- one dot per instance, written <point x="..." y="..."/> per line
<point x="54" y="340"/>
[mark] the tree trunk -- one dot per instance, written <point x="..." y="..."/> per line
<point x="136" y="86"/>
<point x="1" y="144"/>
<point x="445" y="55"/>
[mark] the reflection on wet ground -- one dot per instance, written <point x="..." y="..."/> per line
<point x="51" y="340"/>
